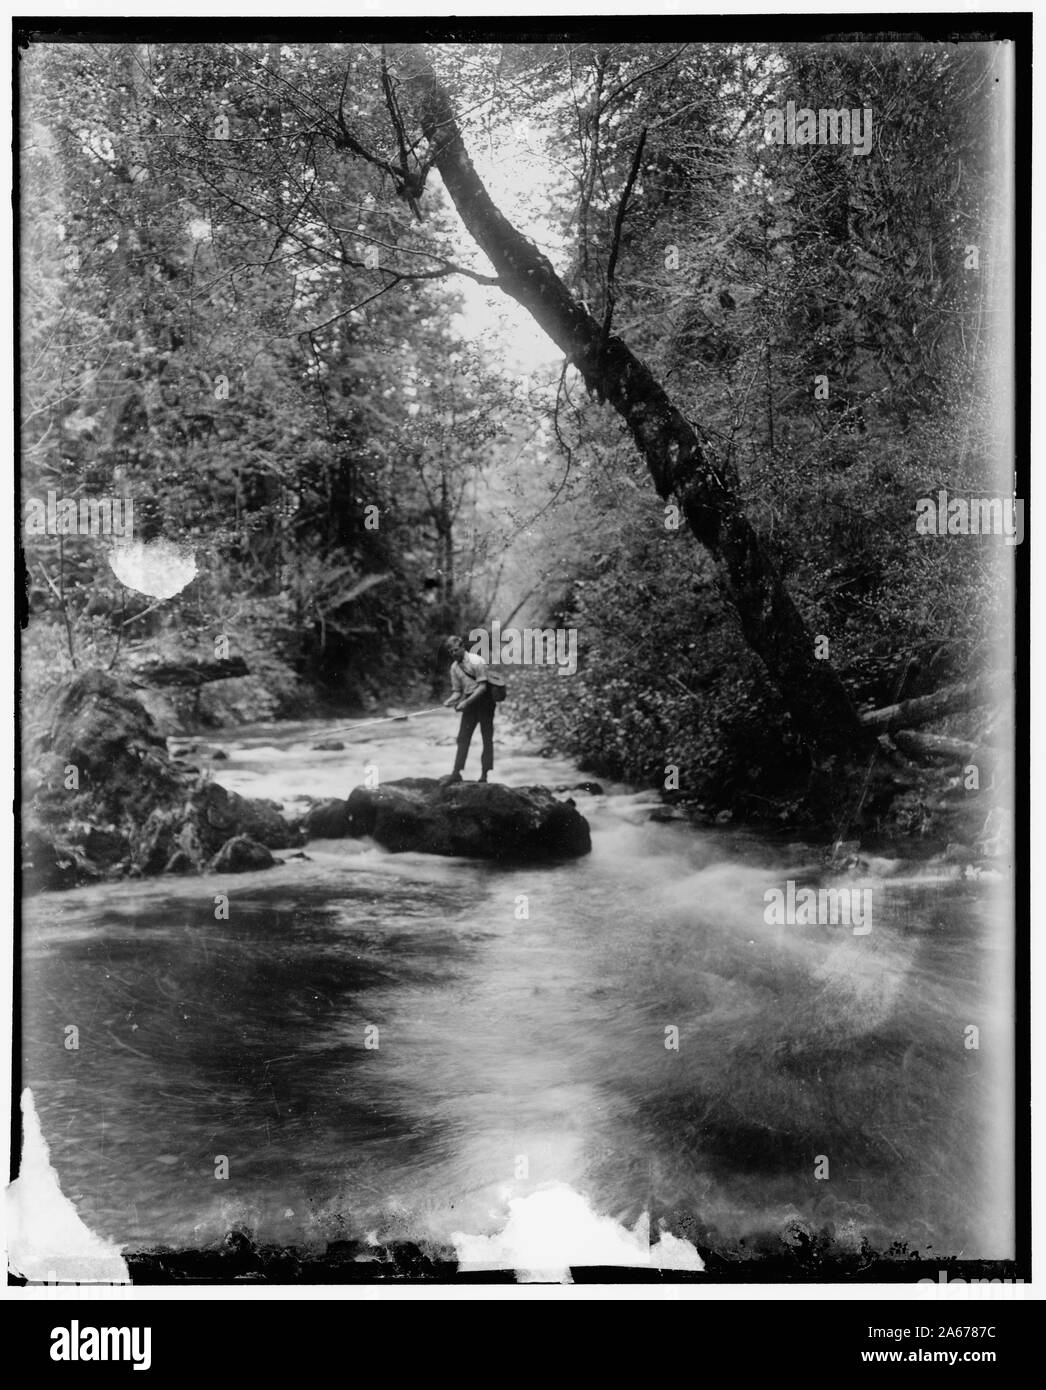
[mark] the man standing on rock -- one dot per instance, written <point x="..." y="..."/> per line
<point x="473" y="697"/>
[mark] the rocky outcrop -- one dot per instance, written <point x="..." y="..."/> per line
<point x="201" y="824"/>
<point x="473" y="819"/>
<point x="102" y="798"/>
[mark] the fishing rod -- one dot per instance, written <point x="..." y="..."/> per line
<point x="388" y="719"/>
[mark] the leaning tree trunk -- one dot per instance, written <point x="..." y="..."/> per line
<point x="190" y="673"/>
<point x="924" y="708"/>
<point x="919" y="745"/>
<point x="707" y="495"/>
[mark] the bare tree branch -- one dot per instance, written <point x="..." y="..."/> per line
<point x="407" y="182"/>
<point x="619" y="222"/>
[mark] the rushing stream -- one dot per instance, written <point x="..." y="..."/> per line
<point x="522" y="1017"/>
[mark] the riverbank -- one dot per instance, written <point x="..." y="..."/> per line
<point x="106" y="795"/>
<point x="724" y="753"/>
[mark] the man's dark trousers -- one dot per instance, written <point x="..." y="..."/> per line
<point x="480" y="712"/>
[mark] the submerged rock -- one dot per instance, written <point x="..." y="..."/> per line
<point x="51" y="863"/>
<point x="474" y="819"/>
<point x="241" y="855"/>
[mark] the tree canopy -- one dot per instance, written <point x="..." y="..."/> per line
<point x="243" y="268"/>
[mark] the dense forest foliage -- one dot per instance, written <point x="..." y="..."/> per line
<point x="242" y="307"/>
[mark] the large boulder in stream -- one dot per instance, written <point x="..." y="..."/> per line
<point x="327" y="820"/>
<point x="477" y="820"/>
<point x="102" y="798"/>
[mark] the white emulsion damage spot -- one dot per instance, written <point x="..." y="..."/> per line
<point x="158" y="568"/>
<point x="555" y="1227"/>
<point x="46" y="1240"/>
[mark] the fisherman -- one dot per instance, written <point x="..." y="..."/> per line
<point x="474" y="698"/>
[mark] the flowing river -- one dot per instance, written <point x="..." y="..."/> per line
<point x="524" y="1034"/>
